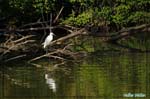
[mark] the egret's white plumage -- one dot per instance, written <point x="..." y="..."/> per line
<point x="48" y="40"/>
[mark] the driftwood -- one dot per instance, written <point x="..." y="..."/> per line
<point x="122" y="33"/>
<point x="129" y="31"/>
<point x="62" y="51"/>
<point x="14" y="45"/>
<point x="16" y="57"/>
<point x="67" y="28"/>
<point x="33" y="29"/>
<point x="73" y="34"/>
<point x="126" y="33"/>
<point x="51" y="54"/>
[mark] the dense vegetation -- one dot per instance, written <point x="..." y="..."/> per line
<point x="114" y="14"/>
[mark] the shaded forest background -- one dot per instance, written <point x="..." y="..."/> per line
<point x="115" y="14"/>
<point x="112" y="20"/>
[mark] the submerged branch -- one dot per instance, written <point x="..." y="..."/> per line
<point x="45" y="55"/>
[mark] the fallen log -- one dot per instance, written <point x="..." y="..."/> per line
<point x="73" y="34"/>
<point x="129" y="31"/>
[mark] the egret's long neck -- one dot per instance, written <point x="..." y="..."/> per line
<point x="51" y="33"/>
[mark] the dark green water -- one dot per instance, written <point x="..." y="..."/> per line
<point x="98" y="76"/>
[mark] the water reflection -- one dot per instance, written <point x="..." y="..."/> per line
<point x="50" y="82"/>
<point x="100" y="75"/>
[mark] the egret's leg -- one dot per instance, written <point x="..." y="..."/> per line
<point x="47" y="52"/>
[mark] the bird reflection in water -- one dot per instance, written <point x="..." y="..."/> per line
<point x="50" y="82"/>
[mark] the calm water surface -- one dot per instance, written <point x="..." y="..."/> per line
<point x="98" y="76"/>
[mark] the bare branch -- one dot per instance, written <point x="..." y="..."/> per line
<point x="58" y="14"/>
<point x="16" y="57"/>
<point x="23" y="38"/>
<point x="73" y="34"/>
<point x="45" y="55"/>
<point x="34" y="23"/>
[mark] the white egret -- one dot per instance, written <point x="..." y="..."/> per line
<point x="48" y="40"/>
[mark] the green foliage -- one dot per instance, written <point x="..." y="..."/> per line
<point x="37" y="4"/>
<point x="82" y="2"/>
<point x="139" y="17"/>
<point x="121" y="14"/>
<point x="26" y="11"/>
<point x="43" y="5"/>
<point x="81" y="20"/>
<point x="102" y="16"/>
<point x="124" y="13"/>
<point x="118" y="13"/>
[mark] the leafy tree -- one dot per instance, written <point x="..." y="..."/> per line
<point x="116" y="14"/>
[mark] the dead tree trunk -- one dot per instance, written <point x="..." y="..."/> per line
<point x="129" y="31"/>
